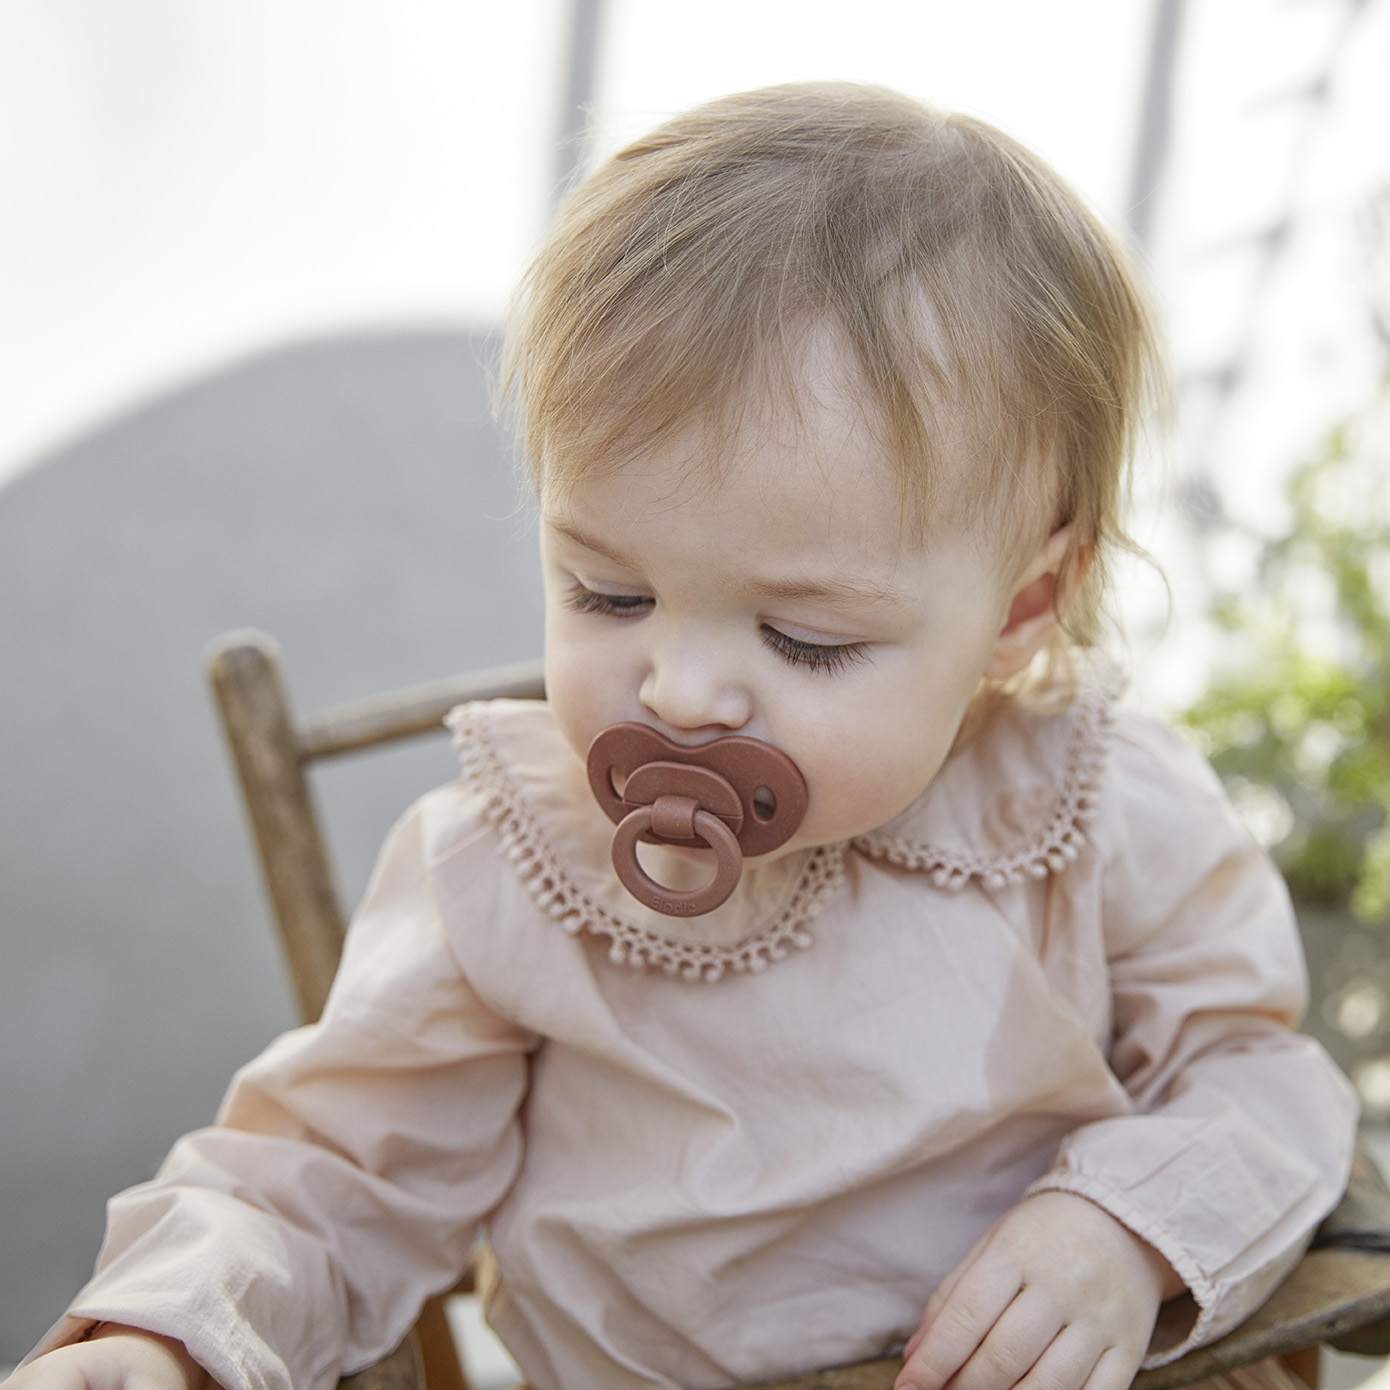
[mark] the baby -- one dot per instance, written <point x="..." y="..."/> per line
<point x="829" y="400"/>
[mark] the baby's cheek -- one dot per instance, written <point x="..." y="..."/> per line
<point x="872" y="784"/>
<point x="852" y="798"/>
<point x="576" y="697"/>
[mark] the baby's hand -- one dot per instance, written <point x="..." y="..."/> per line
<point x="1057" y="1295"/>
<point x="116" y="1358"/>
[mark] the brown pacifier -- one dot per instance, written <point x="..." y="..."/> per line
<point x="735" y="796"/>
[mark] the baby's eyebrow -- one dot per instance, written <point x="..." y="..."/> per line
<point x="581" y="537"/>
<point x="832" y="588"/>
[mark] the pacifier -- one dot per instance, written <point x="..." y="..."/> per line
<point x="735" y="796"/>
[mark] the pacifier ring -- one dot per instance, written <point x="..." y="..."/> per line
<point x="728" y="864"/>
<point x="736" y="796"/>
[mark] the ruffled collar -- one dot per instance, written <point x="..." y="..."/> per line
<point x="1011" y="801"/>
<point x="538" y="798"/>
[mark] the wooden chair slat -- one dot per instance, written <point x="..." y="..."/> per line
<point x="245" y="675"/>
<point x="417" y="710"/>
<point x="401" y="1370"/>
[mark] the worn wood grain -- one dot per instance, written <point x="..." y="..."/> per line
<point x="399" y="1371"/>
<point x="417" y="710"/>
<point x="244" y="670"/>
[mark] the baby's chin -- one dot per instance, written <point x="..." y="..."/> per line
<point x="852" y="817"/>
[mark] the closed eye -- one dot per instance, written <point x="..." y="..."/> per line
<point x="584" y="600"/>
<point x="815" y="656"/>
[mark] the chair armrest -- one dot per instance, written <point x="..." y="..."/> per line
<point x="1361" y="1221"/>
<point x="1329" y="1293"/>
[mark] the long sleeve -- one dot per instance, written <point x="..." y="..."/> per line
<point x="1241" y="1132"/>
<point x="347" y="1171"/>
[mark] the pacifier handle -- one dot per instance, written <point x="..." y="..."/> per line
<point x="735" y="796"/>
<point x="728" y="857"/>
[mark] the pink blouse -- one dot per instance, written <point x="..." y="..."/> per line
<point x="752" y="1143"/>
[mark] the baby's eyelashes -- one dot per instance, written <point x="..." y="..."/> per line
<point x="829" y="657"/>
<point x="585" y="600"/>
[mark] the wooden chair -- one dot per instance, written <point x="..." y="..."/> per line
<point x="1339" y="1293"/>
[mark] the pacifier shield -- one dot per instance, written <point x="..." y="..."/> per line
<point x="737" y="795"/>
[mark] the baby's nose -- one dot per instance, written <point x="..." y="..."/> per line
<point x="690" y="692"/>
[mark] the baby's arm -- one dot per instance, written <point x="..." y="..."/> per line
<point x="114" y="1358"/>
<point x="1240" y="1132"/>
<point x="1056" y="1295"/>
<point x="343" y="1183"/>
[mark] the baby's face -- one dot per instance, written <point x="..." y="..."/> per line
<point x="785" y="602"/>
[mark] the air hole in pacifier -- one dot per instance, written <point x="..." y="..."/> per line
<point x="764" y="804"/>
<point x="617" y="780"/>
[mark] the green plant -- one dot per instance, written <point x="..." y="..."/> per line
<point x="1297" y="719"/>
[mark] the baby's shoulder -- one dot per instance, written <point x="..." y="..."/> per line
<point x="449" y="876"/>
<point x="1159" y="787"/>
<point x="502" y="746"/>
<point x="452" y="840"/>
<point x="453" y="822"/>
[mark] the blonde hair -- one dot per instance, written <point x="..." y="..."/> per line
<point x="1001" y="338"/>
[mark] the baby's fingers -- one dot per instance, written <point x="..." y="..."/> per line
<point x="1070" y="1362"/>
<point x="1021" y="1336"/>
<point x="943" y="1292"/>
<point x="1074" y="1362"/>
<point x="953" y="1331"/>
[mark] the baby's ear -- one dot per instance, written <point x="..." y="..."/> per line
<point x="1040" y="597"/>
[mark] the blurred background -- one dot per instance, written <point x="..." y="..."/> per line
<point x="253" y="258"/>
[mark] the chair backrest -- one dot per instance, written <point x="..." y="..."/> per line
<point x="272" y="752"/>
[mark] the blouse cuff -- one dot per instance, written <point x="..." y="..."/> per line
<point x="1184" y="1322"/>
